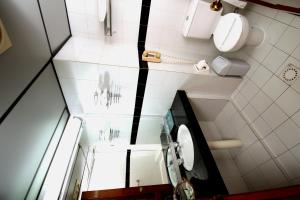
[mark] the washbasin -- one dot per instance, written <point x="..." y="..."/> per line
<point x="171" y="168"/>
<point x="186" y="150"/>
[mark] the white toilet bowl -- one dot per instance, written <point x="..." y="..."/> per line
<point x="233" y="32"/>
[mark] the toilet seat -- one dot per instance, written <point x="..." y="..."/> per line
<point x="231" y="32"/>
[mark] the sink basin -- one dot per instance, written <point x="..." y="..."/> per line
<point x="185" y="142"/>
<point x="171" y="170"/>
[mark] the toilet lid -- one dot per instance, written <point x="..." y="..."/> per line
<point x="230" y="30"/>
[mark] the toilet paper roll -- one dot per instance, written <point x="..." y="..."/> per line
<point x="201" y="66"/>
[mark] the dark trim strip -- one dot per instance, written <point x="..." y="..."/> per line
<point x="61" y="46"/>
<point x="141" y="85"/>
<point x="11" y="107"/>
<point x="143" y="71"/>
<point x="44" y="25"/>
<point x="127" y="178"/>
<point x="68" y="18"/>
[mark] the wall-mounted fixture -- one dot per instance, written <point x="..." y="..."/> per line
<point x="104" y="15"/>
<point x="5" y="42"/>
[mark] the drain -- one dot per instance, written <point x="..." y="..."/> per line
<point x="290" y="74"/>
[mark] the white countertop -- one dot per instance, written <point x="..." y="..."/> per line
<point x="180" y="68"/>
<point x="95" y="51"/>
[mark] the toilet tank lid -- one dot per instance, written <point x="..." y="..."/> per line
<point x="229" y="30"/>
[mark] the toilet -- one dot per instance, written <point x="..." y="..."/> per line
<point x="230" y="32"/>
<point x="233" y="32"/>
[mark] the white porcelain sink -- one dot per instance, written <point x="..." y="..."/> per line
<point x="171" y="170"/>
<point x="185" y="142"/>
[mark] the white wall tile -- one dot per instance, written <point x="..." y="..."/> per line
<point x="289" y="101"/>
<point x="296" y="152"/>
<point x="274" y="144"/>
<point x="250" y="113"/>
<point x="246" y="136"/>
<point x="245" y="162"/>
<point x="229" y="110"/>
<point x="237" y="122"/>
<point x="274" y="116"/>
<point x="235" y="185"/>
<point x="296" y="118"/>
<point x="256" y="180"/>
<point x="290" y="165"/>
<point x="285" y="17"/>
<point x="260" y="52"/>
<point x="261" y="76"/>
<point x="289" y="40"/>
<point x="296" y="22"/>
<point x="261" y="127"/>
<point x="272" y="173"/>
<point x="254" y="65"/>
<point x="275" y="59"/>
<point x="263" y="10"/>
<point x="259" y="153"/>
<point x="76" y="70"/>
<point x="261" y="102"/>
<point x="210" y="130"/>
<point x="296" y="53"/>
<point x="274" y="31"/>
<point x="240" y="101"/>
<point x="249" y="90"/>
<point x="289" y="133"/>
<point x="274" y="87"/>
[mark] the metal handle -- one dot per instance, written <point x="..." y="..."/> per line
<point x="107" y="20"/>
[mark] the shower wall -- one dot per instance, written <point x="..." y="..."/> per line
<point x="86" y="86"/>
<point x="264" y="111"/>
<point x="84" y="21"/>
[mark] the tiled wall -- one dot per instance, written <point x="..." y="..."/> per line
<point x="264" y="111"/>
<point x="83" y="15"/>
<point x="165" y="32"/>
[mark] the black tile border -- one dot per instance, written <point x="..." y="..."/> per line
<point x="127" y="179"/>
<point x="141" y="84"/>
<point x="143" y="70"/>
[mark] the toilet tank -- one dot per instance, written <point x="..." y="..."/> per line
<point x="229" y="67"/>
<point x="200" y="21"/>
